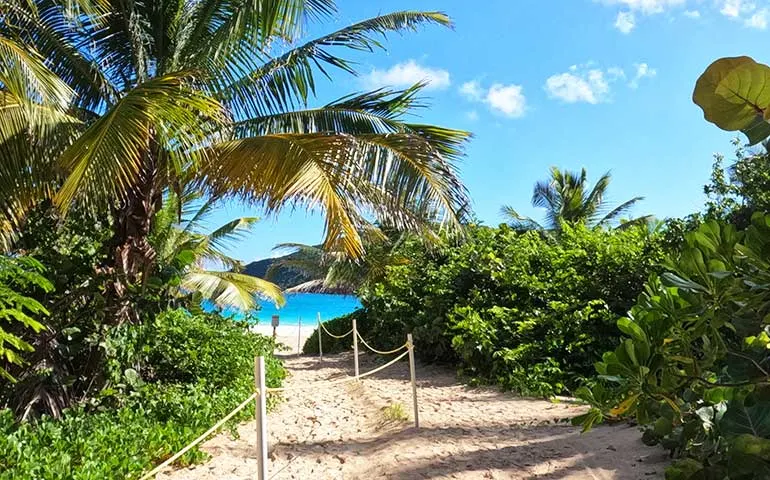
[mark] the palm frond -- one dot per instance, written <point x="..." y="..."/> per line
<point x="619" y="210"/>
<point x="287" y="81"/>
<point x="230" y="289"/>
<point x="341" y="174"/>
<point x="517" y="221"/>
<point x="108" y="159"/>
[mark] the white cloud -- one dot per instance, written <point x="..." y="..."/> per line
<point x="692" y="13"/>
<point x="642" y="71"/>
<point x="590" y="87"/>
<point x="625" y="22"/>
<point x="758" y="20"/>
<point x="508" y="100"/>
<point x="647" y="7"/>
<point x="407" y="74"/>
<point x="731" y="8"/>
<point x="588" y="83"/>
<point x="473" y="115"/>
<point x="472" y="90"/>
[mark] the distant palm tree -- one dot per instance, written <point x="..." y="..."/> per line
<point x="187" y="254"/>
<point x="336" y="271"/>
<point x="567" y="199"/>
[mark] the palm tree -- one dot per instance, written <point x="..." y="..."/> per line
<point x="567" y="198"/>
<point x="110" y="105"/>
<point x="187" y="255"/>
<point x="337" y="272"/>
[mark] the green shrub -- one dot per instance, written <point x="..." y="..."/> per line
<point x="522" y="310"/>
<point x="172" y="380"/>
<point x="338" y="326"/>
<point x="692" y="367"/>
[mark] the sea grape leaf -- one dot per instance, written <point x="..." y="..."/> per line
<point x="733" y="94"/>
<point x="753" y="419"/>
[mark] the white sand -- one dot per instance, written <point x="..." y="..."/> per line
<point x="287" y="335"/>
<point x="340" y="432"/>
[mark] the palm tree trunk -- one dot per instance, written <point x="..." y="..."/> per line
<point x="131" y="257"/>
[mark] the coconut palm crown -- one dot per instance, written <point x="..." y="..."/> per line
<point x="111" y="104"/>
<point x="567" y="198"/>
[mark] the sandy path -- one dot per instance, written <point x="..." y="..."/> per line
<point x="341" y="433"/>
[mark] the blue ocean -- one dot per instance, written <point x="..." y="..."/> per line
<point x="306" y="306"/>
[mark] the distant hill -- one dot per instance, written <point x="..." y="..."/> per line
<point x="283" y="277"/>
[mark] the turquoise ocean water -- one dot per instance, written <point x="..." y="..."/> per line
<point x="305" y="306"/>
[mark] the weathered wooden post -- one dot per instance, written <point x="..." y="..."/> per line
<point x="320" y="346"/>
<point x="299" y="335"/>
<point x="414" y="380"/>
<point x="261" y="416"/>
<point x="355" y="347"/>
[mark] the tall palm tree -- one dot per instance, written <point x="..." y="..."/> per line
<point x="567" y="198"/>
<point x="129" y="99"/>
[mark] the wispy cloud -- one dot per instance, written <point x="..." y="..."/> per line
<point x="692" y="13"/>
<point x="758" y="20"/>
<point x="642" y="71"/>
<point x="407" y="74"/>
<point x="647" y="7"/>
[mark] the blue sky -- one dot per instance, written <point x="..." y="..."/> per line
<point x="600" y="84"/>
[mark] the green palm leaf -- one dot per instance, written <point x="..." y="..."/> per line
<point x="230" y="289"/>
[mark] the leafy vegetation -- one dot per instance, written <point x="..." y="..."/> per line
<point x="172" y="379"/>
<point x="693" y="364"/>
<point x="338" y="326"/>
<point x="18" y="309"/>
<point x="519" y="309"/>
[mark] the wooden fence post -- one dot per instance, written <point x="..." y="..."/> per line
<point x="355" y="347"/>
<point x="299" y="335"/>
<point x="320" y="346"/>
<point x="414" y="380"/>
<point x="261" y="415"/>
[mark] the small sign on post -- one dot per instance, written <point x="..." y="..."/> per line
<point x="275" y="322"/>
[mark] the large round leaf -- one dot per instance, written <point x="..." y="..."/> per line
<point x="734" y="94"/>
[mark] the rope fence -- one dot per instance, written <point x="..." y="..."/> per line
<point x="261" y="399"/>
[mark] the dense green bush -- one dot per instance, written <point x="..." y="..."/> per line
<point x="338" y="326"/>
<point x="523" y="310"/>
<point x="171" y="380"/>
<point x="693" y="365"/>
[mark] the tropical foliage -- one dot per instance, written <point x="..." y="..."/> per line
<point x="693" y="364"/>
<point x="336" y="271"/>
<point x="732" y="94"/>
<point x="187" y="256"/>
<point x="567" y="198"/>
<point x="528" y="312"/>
<point x="109" y="106"/>
<point x="18" y="309"/>
<point x="172" y="379"/>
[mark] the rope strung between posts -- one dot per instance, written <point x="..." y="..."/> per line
<point x="333" y="335"/>
<point x="339" y="380"/>
<point x="406" y="345"/>
<point x="198" y="440"/>
<point x="253" y="396"/>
